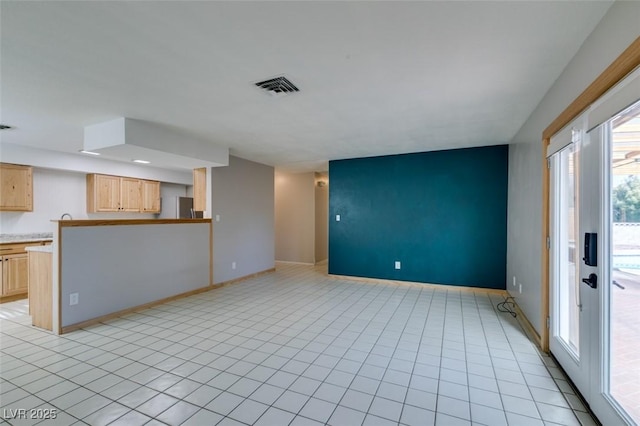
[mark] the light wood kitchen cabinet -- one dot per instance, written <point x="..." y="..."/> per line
<point x="103" y="193"/>
<point x="130" y="195"/>
<point x="40" y="289"/>
<point x="200" y="189"/>
<point x="107" y="193"/>
<point x="14" y="266"/>
<point x="15" y="276"/>
<point x="150" y="196"/>
<point x="16" y="188"/>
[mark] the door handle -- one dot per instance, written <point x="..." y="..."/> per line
<point x="592" y="281"/>
<point x="617" y="284"/>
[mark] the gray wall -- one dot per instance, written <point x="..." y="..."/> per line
<point x="242" y="195"/>
<point x="118" y="267"/>
<point x="322" y="218"/>
<point x="169" y="192"/>
<point x="295" y="217"/>
<point x="617" y="30"/>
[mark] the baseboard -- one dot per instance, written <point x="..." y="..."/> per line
<point x="525" y="323"/>
<point x="113" y="315"/>
<point x="367" y="280"/>
<point x="322" y="262"/>
<point x="288" y="262"/>
<point x="246" y="277"/>
<point x="13" y="298"/>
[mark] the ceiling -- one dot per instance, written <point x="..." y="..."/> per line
<point x="375" y="78"/>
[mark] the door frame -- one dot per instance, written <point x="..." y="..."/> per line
<point x="614" y="73"/>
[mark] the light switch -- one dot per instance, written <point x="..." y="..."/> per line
<point x="337" y="218"/>
<point x="217" y="218"/>
<point x="397" y="264"/>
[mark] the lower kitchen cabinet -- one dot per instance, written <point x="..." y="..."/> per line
<point x="14" y="270"/>
<point x="15" y="274"/>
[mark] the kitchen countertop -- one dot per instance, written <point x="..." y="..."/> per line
<point x="41" y="249"/>
<point x="25" y="238"/>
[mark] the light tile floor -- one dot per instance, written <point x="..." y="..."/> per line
<point x="294" y="347"/>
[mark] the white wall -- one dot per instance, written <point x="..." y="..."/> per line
<point x="617" y="30"/>
<point x="57" y="191"/>
<point x="295" y="217"/>
<point x="242" y="195"/>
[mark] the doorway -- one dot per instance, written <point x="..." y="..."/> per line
<point x="595" y="256"/>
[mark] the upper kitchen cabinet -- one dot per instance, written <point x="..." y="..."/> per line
<point x="130" y="195"/>
<point x="103" y="193"/>
<point x="16" y="188"/>
<point x="200" y="189"/>
<point x="150" y="196"/>
<point x="107" y="193"/>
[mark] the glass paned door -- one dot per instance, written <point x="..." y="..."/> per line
<point x="568" y="304"/>
<point x="594" y="253"/>
<point x="568" y="341"/>
<point x="621" y="364"/>
<point x="595" y="326"/>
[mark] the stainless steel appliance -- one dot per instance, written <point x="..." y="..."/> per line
<point x="184" y="207"/>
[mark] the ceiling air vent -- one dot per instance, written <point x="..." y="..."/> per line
<point x="278" y="86"/>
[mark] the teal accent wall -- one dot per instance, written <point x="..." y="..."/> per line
<point x="442" y="214"/>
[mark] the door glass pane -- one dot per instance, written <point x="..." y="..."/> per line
<point x="625" y="261"/>
<point x="568" y="250"/>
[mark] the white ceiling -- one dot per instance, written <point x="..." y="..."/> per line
<point x="375" y="78"/>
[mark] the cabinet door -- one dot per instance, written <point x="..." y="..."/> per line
<point x="15" y="269"/>
<point x="16" y="192"/>
<point x="150" y="196"/>
<point x="130" y="194"/>
<point x="107" y="193"/>
<point x="200" y="189"/>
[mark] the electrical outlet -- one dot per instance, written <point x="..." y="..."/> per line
<point x="514" y="280"/>
<point x="337" y="218"/>
<point x="217" y="218"/>
<point x="74" y="298"/>
<point x="398" y="264"/>
<point x="233" y="265"/>
<point x="520" y="289"/>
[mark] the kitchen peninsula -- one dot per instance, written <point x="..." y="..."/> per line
<point x="106" y="268"/>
